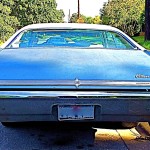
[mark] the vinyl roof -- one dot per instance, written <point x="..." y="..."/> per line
<point x="69" y="26"/>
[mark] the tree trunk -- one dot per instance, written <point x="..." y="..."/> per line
<point x="147" y="20"/>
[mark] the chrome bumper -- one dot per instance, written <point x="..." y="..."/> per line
<point x="77" y="94"/>
<point x="76" y="83"/>
<point x="43" y="105"/>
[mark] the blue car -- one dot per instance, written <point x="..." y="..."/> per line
<point x="73" y="73"/>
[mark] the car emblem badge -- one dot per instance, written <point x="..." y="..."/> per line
<point x="142" y="76"/>
<point x="77" y="82"/>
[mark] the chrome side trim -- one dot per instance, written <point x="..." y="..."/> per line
<point x="75" y="83"/>
<point x="57" y="94"/>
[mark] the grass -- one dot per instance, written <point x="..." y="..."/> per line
<point x="142" y="42"/>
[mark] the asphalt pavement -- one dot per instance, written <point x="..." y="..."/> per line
<point x="68" y="137"/>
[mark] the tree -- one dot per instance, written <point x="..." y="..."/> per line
<point x="37" y="11"/>
<point x="89" y="20"/>
<point x="123" y="14"/>
<point x="8" y="23"/>
<point x="147" y="20"/>
<point x="74" y="17"/>
<point x="96" y="20"/>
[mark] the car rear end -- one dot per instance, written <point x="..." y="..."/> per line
<point x="74" y="74"/>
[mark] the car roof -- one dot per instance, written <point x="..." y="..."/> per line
<point x="69" y="26"/>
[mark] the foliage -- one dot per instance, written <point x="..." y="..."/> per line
<point x="96" y="20"/>
<point x="18" y="13"/>
<point x="124" y="14"/>
<point x="141" y="41"/>
<point x="74" y="18"/>
<point x="1" y="43"/>
<point x="8" y="23"/>
<point x="89" y="20"/>
<point x="36" y="11"/>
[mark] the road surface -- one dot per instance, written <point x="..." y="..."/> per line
<point x="57" y="137"/>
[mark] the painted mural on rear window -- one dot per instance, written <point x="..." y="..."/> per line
<point x="70" y="38"/>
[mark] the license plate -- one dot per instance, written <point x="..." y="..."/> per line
<point x="75" y="112"/>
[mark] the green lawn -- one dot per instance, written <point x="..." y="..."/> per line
<point x="140" y="40"/>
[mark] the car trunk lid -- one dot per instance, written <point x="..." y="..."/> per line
<point x="75" y="67"/>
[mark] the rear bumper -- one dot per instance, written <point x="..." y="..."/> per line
<point x="22" y="106"/>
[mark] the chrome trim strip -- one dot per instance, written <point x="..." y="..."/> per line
<point x="75" y="82"/>
<point x="50" y="94"/>
<point x="37" y="82"/>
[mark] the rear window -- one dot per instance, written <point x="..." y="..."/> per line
<point x="70" y="38"/>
